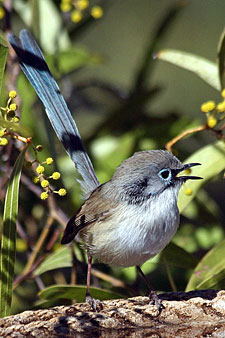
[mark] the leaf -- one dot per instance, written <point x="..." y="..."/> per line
<point x="15" y="127"/>
<point x="58" y="259"/>
<point x="61" y="258"/>
<point x="71" y="59"/>
<point x="75" y="292"/>
<point x="3" y="56"/>
<point x="212" y="159"/>
<point x="8" y="240"/>
<point x="171" y="254"/>
<point x="51" y="35"/>
<point x="210" y="270"/>
<point x="221" y="59"/>
<point x="35" y="14"/>
<point x="205" y="69"/>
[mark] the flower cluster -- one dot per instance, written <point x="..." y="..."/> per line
<point x="44" y="180"/>
<point x="7" y="116"/>
<point x="214" y="113"/>
<point x="79" y="8"/>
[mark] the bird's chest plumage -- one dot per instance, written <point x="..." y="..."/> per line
<point x="135" y="233"/>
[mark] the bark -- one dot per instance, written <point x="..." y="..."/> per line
<point x="192" y="314"/>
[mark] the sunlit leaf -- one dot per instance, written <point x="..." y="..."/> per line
<point x="221" y="59"/>
<point x="205" y="69"/>
<point x="210" y="271"/>
<point x="8" y="240"/>
<point x="75" y="292"/>
<point x="212" y="159"/>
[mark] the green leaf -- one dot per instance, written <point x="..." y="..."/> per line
<point x="8" y="240"/>
<point x="71" y="59"/>
<point x="221" y="59"/>
<point x="212" y="159"/>
<point x="58" y="259"/>
<point x="205" y="69"/>
<point x="3" y="56"/>
<point x="171" y="254"/>
<point x="15" y="127"/>
<point x="61" y="258"/>
<point x="35" y="21"/>
<point x="75" y="292"/>
<point x="210" y="270"/>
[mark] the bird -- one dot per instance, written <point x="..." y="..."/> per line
<point x="132" y="217"/>
<point x="128" y="219"/>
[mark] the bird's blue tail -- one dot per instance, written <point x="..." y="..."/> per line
<point x="36" y="70"/>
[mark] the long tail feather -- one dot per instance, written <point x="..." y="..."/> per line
<point x="35" y="68"/>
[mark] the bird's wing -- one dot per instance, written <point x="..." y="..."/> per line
<point x="91" y="211"/>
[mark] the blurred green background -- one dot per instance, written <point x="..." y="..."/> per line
<point x="121" y="107"/>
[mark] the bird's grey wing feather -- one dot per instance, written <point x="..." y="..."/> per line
<point x="91" y="211"/>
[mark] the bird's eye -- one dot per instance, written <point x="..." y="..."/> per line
<point x="165" y="174"/>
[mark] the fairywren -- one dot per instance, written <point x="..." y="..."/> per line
<point x="128" y="219"/>
<point x="132" y="217"/>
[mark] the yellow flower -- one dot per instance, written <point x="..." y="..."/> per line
<point x="3" y="141"/>
<point x="45" y="183"/>
<point x="16" y="119"/>
<point x="36" y="179"/>
<point x="65" y="7"/>
<point x="211" y="121"/>
<point x="187" y="171"/>
<point x="223" y="93"/>
<point x="40" y="169"/>
<point x="56" y="175"/>
<point x="188" y="191"/>
<point x="2" y="132"/>
<point x="13" y="106"/>
<point x="21" y="245"/>
<point x="208" y="106"/>
<point x="220" y="107"/>
<point x="97" y="12"/>
<point x="49" y="160"/>
<point x="2" y="13"/>
<point x="44" y="195"/>
<point x="76" y="16"/>
<point x="62" y="192"/>
<point x="12" y="94"/>
<point x="82" y="4"/>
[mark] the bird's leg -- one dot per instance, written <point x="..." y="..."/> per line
<point x="95" y="303"/>
<point x="154" y="299"/>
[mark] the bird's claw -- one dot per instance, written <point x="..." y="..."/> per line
<point x="154" y="300"/>
<point x="95" y="304"/>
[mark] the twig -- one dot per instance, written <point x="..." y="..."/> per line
<point x="170" y="144"/>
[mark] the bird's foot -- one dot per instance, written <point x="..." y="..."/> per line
<point x="154" y="300"/>
<point x="95" y="304"/>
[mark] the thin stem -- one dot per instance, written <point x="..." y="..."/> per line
<point x="171" y="143"/>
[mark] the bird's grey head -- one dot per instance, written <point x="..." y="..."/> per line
<point x="146" y="174"/>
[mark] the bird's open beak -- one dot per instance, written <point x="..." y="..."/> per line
<point x="187" y="177"/>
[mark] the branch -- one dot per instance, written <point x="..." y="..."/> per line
<point x="192" y="314"/>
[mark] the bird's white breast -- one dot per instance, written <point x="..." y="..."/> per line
<point x="135" y="233"/>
